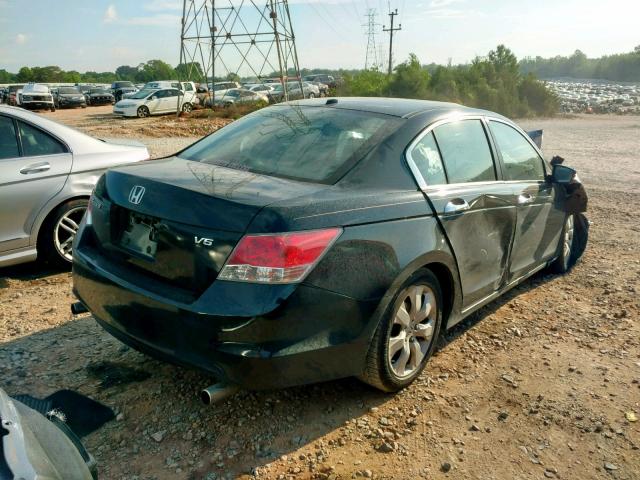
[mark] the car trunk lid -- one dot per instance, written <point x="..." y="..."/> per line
<point x="174" y="222"/>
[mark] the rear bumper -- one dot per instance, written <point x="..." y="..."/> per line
<point x="256" y="336"/>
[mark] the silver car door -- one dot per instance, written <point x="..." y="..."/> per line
<point x="29" y="179"/>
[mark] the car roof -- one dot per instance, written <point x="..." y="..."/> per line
<point x="397" y="107"/>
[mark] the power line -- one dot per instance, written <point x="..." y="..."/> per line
<point x="391" y="30"/>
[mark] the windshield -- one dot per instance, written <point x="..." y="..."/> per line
<point x="142" y="94"/>
<point x="303" y="143"/>
<point x="68" y="91"/>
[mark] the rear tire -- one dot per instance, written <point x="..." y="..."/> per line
<point x="58" y="232"/>
<point x="406" y="335"/>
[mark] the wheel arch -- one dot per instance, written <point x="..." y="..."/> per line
<point x="48" y="211"/>
<point x="442" y="264"/>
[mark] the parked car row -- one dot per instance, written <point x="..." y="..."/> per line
<point x="596" y="96"/>
<point x="42" y="96"/>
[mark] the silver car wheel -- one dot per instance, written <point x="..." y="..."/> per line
<point x="65" y="231"/>
<point x="412" y="330"/>
<point x="143" y="112"/>
<point x="568" y="241"/>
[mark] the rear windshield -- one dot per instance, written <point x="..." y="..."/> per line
<point x="312" y="144"/>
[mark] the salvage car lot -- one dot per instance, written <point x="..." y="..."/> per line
<point x="536" y="384"/>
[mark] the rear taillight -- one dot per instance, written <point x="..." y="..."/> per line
<point x="277" y="258"/>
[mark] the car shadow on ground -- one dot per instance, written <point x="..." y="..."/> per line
<point x="162" y="416"/>
<point x="27" y="271"/>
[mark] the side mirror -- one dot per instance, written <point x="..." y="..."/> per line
<point x="153" y="98"/>
<point x="562" y="174"/>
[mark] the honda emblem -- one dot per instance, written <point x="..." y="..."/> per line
<point x="136" y="194"/>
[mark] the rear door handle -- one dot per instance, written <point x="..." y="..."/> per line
<point x="525" y="198"/>
<point x="456" y="205"/>
<point x="35" y="168"/>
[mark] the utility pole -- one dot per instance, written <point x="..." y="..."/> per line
<point x="371" y="57"/>
<point x="391" y="30"/>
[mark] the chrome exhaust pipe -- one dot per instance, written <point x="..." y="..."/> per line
<point x="78" y="307"/>
<point x="217" y="392"/>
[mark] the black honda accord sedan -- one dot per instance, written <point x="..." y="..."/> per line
<point x="322" y="239"/>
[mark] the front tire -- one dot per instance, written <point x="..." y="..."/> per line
<point x="143" y="112"/>
<point x="187" y="107"/>
<point x="573" y="242"/>
<point x="407" y="335"/>
<point x="58" y="232"/>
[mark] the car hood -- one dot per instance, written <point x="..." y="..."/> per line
<point x="70" y="95"/>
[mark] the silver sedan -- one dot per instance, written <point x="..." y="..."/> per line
<point x="47" y="173"/>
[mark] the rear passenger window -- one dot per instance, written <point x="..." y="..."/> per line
<point x="426" y="157"/>
<point x="465" y="151"/>
<point x="8" y="140"/>
<point x="35" y="142"/>
<point x="521" y="161"/>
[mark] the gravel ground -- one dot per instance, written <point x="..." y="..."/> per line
<point x="543" y="383"/>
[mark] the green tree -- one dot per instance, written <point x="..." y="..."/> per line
<point x="125" y="72"/>
<point x="24" y="75"/>
<point x="155" y="70"/>
<point x="6" y="77"/>
<point x="409" y="80"/>
<point x="366" y="83"/>
<point x="191" y="71"/>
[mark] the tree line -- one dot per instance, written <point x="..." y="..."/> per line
<point x="619" y="67"/>
<point x="493" y="82"/>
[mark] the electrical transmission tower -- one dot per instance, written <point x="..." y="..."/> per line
<point x="229" y="39"/>
<point x="371" y="58"/>
<point x="391" y="30"/>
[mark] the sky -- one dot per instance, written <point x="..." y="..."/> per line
<point x="100" y="35"/>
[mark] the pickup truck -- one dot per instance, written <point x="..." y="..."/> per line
<point x="37" y="96"/>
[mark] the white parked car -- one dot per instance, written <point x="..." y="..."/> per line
<point x="184" y="86"/>
<point x="259" y="87"/>
<point x="47" y="173"/>
<point x="37" y="96"/>
<point x="155" y="102"/>
<point x="218" y="89"/>
<point x="240" y="95"/>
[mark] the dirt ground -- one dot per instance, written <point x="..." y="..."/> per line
<point x="543" y="383"/>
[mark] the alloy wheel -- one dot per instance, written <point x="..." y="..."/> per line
<point x="143" y="112"/>
<point x="412" y="330"/>
<point x="65" y="231"/>
<point x="568" y="241"/>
